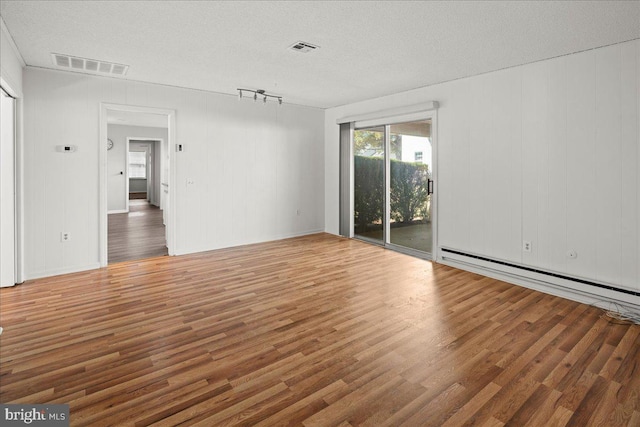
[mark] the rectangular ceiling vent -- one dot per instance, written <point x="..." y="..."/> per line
<point x="303" y="47"/>
<point x="93" y="66"/>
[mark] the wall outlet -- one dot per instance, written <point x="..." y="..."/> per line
<point x="65" y="236"/>
<point x="526" y="246"/>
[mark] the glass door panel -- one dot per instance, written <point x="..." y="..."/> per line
<point x="369" y="183"/>
<point x="410" y="178"/>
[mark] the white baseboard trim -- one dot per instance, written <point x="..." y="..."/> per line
<point x="59" y="271"/>
<point x="300" y="234"/>
<point x="94" y="266"/>
<point x="251" y="242"/>
<point x="8" y="286"/>
<point x="117" y="211"/>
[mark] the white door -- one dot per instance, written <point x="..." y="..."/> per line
<point x="7" y="191"/>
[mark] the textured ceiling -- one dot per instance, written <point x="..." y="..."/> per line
<point x="367" y="49"/>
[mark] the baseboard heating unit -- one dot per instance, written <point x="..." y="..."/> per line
<point x="575" y="288"/>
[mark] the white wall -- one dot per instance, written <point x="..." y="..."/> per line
<point x="252" y="167"/>
<point x="116" y="162"/>
<point x="547" y="152"/>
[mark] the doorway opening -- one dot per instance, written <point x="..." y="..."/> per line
<point x="137" y="213"/>
<point x="140" y="231"/>
<point x="141" y="169"/>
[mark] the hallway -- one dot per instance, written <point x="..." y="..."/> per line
<point x="138" y="234"/>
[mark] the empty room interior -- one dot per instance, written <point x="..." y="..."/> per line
<point x="327" y="213"/>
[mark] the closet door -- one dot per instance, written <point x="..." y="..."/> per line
<point x="7" y="191"/>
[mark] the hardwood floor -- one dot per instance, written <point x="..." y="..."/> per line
<point x="313" y="331"/>
<point x="136" y="235"/>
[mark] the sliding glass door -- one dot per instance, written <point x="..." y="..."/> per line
<point x="392" y="179"/>
<point x="410" y="186"/>
<point x="368" y="180"/>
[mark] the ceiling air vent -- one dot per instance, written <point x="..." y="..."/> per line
<point x="93" y="66"/>
<point x="303" y="47"/>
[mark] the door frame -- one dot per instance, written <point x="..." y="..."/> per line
<point x="171" y="211"/>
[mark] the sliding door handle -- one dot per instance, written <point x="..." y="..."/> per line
<point x="429" y="187"/>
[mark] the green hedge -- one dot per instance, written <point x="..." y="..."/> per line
<point x="408" y="191"/>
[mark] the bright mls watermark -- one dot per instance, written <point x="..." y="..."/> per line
<point x="34" y="415"/>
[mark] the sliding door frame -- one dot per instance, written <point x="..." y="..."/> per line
<point x="386" y="216"/>
<point x="427" y="111"/>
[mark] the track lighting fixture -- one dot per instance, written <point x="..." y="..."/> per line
<point x="260" y="92"/>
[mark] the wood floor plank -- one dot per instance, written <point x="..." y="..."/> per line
<point x="588" y="405"/>
<point x="472" y="405"/>
<point x="560" y="417"/>
<point x="543" y="410"/>
<point x="635" y="419"/>
<point x="302" y="408"/>
<point x="315" y="330"/>
<point x="492" y="422"/>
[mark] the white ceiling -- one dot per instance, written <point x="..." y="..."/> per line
<point x="367" y="49"/>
